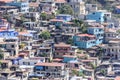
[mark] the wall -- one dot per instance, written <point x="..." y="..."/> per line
<point x="98" y="16"/>
<point x="67" y="59"/>
<point x="64" y="17"/>
<point x="24" y="7"/>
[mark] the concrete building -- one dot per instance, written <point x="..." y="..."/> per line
<point x="51" y="71"/>
<point x="91" y="8"/>
<point x="78" y="7"/>
<point x="112" y="49"/>
<point x="117" y="9"/>
<point x="84" y="40"/>
<point x="47" y="6"/>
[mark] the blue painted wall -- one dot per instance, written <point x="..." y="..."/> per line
<point x="84" y="44"/>
<point x="98" y="16"/>
<point x="8" y="34"/>
<point x="65" y="17"/>
<point x="67" y="59"/>
<point x="17" y="4"/>
<point x="117" y="11"/>
<point x="98" y="32"/>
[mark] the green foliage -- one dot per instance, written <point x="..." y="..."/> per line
<point x="118" y="31"/>
<point x="103" y="72"/>
<point x="81" y="74"/>
<point x="82" y="26"/>
<point x="1" y="56"/>
<point x="93" y="65"/>
<point x="52" y="16"/>
<point x="45" y="35"/>
<point x="70" y="41"/>
<point x="22" y="45"/>
<point x="43" y="16"/>
<point x="66" y="9"/>
<point x="75" y="72"/>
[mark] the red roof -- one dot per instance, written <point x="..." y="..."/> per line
<point x="117" y="78"/>
<point x="50" y="64"/>
<point x="62" y="45"/>
<point x="70" y="56"/>
<point x="3" y="29"/>
<point x="6" y="1"/>
<point x="60" y="1"/>
<point x="24" y="32"/>
<point x="57" y="59"/>
<point x="118" y="7"/>
<point x="87" y="35"/>
<point x="55" y="20"/>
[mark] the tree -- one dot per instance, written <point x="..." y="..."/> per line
<point x="70" y="41"/>
<point x="75" y="72"/>
<point x="45" y="35"/>
<point x="1" y="56"/>
<point x="43" y="16"/>
<point x="82" y="26"/>
<point x="66" y="9"/>
<point x="22" y="45"/>
<point x="93" y="65"/>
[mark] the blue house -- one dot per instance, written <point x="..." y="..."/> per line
<point x="98" y="32"/>
<point x="17" y="4"/>
<point x="97" y="16"/>
<point x="8" y="33"/>
<point x="117" y="10"/>
<point x="84" y="40"/>
<point x="68" y="58"/>
<point x="64" y="17"/>
<point x="57" y="22"/>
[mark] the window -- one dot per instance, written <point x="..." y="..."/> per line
<point x="23" y="63"/>
<point x="46" y="67"/>
<point x="112" y="50"/>
<point x="28" y="63"/>
<point x="93" y="13"/>
<point x="12" y="46"/>
<point x="38" y="72"/>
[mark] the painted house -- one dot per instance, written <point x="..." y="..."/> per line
<point x="51" y="70"/>
<point x="61" y="49"/>
<point x="98" y="16"/>
<point x="60" y="3"/>
<point x="47" y="6"/>
<point x="98" y="32"/>
<point x="65" y="17"/>
<point x="25" y="7"/>
<point x="45" y="51"/>
<point x="32" y="15"/>
<point x="9" y="9"/>
<point x="30" y="63"/>
<point x="30" y="25"/>
<point x="57" y="22"/>
<point x="68" y="58"/>
<point x="84" y="40"/>
<point x="117" y="9"/>
<point x="73" y="64"/>
<point x="8" y="34"/>
<point x="9" y="40"/>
